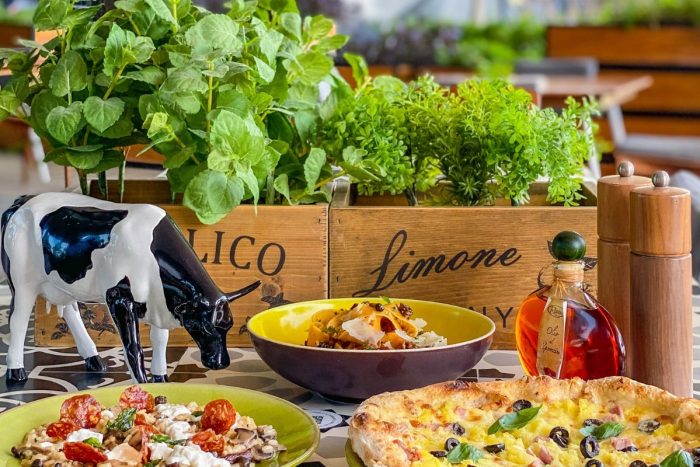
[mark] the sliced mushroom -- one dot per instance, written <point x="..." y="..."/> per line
<point x="244" y="435"/>
<point x="263" y="453"/>
<point x="267" y="432"/>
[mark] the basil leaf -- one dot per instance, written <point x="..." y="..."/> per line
<point x="94" y="442"/>
<point x="604" y="431"/>
<point x="153" y="463"/>
<point x="463" y="452"/>
<point x="514" y="420"/>
<point x="678" y="459"/>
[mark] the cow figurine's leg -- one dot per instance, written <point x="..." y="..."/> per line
<point x="159" y="363"/>
<point x="20" y="312"/>
<point x="86" y="347"/>
<point x="125" y="314"/>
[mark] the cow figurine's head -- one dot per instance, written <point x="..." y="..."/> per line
<point x="209" y="323"/>
<point x="72" y="248"/>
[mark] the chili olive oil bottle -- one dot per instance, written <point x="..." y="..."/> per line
<point x="561" y="330"/>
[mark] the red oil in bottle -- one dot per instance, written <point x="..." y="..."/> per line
<point x="593" y="346"/>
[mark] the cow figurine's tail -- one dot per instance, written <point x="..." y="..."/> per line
<point x="6" y="216"/>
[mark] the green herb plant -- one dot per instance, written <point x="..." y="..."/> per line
<point x="234" y="113"/>
<point x="484" y="140"/>
<point x="82" y="99"/>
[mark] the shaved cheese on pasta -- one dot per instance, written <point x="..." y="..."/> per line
<point x="363" y="331"/>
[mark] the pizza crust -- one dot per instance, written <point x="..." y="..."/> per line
<point x="382" y="437"/>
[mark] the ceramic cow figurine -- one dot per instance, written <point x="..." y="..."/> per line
<point x="71" y="248"/>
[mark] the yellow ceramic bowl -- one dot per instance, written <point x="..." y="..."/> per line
<point x="278" y="335"/>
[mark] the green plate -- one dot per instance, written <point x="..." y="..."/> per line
<point x="352" y="458"/>
<point x="295" y="428"/>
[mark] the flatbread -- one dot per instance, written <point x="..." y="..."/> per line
<point x="402" y="428"/>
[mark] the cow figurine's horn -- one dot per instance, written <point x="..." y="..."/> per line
<point x="242" y="292"/>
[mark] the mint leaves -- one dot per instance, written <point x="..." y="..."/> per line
<point x="514" y="420"/>
<point x="231" y="100"/>
<point x="604" y="431"/>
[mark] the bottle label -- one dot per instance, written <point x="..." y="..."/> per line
<point x="550" y="344"/>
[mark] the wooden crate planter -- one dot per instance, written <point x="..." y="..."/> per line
<point x="283" y="246"/>
<point x="485" y="258"/>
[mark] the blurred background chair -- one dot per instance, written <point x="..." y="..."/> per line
<point x="575" y="66"/>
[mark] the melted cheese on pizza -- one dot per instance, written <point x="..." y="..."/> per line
<point x="433" y="426"/>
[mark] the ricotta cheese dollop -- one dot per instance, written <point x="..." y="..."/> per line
<point x="190" y="455"/>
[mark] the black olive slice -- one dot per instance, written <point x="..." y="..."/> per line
<point x="594" y="463"/>
<point x="592" y="422"/>
<point x="438" y="453"/>
<point x="648" y="426"/>
<point x="638" y="463"/>
<point x="521" y="404"/>
<point x="560" y="436"/>
<point x="589" y="447"/>
<point x="450" y="444"/>
<point x="495" y="448"/>
<point x="457" y="429"/>
<point x="629" y="449"/>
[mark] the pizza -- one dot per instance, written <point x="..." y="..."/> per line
<point x="534" y="421"/>
<point x="146" y="431"/>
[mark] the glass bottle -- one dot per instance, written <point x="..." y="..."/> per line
<point x="561" y="330"/>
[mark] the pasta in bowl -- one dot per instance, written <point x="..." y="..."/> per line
<point x="371" y="326"/>
<point x="321" y="345"/>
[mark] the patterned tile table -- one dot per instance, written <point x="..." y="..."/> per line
<point x="60" y="370"/>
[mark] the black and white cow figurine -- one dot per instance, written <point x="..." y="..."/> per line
<point x="71" y="248"/>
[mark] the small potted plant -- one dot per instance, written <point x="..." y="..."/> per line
<point x="456" y="212"/>
<point x="230" y="100"/>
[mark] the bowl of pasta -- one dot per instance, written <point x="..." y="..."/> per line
<point x="352" y="349"/>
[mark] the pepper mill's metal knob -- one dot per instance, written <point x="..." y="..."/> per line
<point x="625" y="169"/>
<point x="660" y="179"/>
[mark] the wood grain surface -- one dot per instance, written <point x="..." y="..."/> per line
<point x="614" y="286"/>
<point x="283" y="246"/>
<point x="662" y="330"/>
<point x="485" y="258"/>
<point x="660" y="221"/>
<point x="619" y="45"/>
<point x="614" y="205"/>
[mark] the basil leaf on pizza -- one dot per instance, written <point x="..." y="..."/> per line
<point x="463" y="452"/>
<point x="604" y="431"/>
<point x="514" y="420"/>
<point x="678" y="459"/>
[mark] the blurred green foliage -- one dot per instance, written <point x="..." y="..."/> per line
<point x="649" y="13"/>
<point x="16" y="18"/>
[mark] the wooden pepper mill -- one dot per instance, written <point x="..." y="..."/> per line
<point x="661" y="287"/>
<point x="614" y="245"/>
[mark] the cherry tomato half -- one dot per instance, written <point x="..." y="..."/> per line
<point x="137" y="398"/>
<point x="61" y="430"/>
<point x="81" y="452"/>
<point x="83" y="411"/>
<point x="219" y="415"/>
<point x="209" y="441"/>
